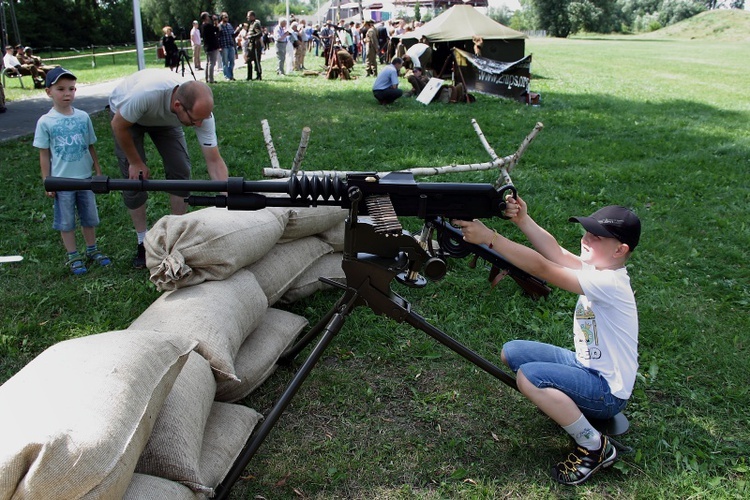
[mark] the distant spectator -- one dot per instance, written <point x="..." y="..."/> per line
<point x="30" y="58"/>
<point x="372" y="47"/>
<point x="327" y="34"/>
<point x="14" y="65"/>
<point x="171" y="52"/>
<point x="227" y="46"/>
<point x="254" y="47"/>
<point x="65" y="138"/>
<point x="210" y="35"/>
<point x="385" y="89"/>
<point x="418" y="55"/>
<point x="195" y="44"/>
<point x="281" y="37"/>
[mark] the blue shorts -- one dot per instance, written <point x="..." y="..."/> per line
<point x="546" y="365"/>
<point x="67" y="203"/>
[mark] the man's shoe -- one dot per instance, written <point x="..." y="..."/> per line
<point x="139" y="262"/>
<point x="581" y="463"/>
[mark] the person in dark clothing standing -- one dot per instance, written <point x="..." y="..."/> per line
<point x="171" y="52"/>
<point x="210" y="35"/>
<point x="254" y="46"/>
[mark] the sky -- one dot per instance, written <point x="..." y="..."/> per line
<point x="512" y="4"/>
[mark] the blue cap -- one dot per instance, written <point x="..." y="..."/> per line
<point x="55" y="74"/>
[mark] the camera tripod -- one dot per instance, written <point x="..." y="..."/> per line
<point x="183" y="56"/>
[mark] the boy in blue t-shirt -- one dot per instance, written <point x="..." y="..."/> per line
<point x="65" y="138"/>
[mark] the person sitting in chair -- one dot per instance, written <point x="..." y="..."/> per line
<point x="16" y="68"/>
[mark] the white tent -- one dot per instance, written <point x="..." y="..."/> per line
<point x="461" y="22"/>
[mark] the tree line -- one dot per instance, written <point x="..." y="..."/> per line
<point x="74" y="24"/>
<point x="561" y="18"/>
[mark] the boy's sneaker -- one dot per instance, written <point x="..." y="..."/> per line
<point x="139" y="262"/>
<point x="581" y="463"/>
<point x="76" y="265"/>
<point x="98" y="257"/>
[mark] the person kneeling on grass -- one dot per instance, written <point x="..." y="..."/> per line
<point x="65" y="138"/>
<point x="597" y="379"/>
<point x="385" y="89"/>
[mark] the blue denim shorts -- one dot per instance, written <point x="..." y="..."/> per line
<point x="67" y="203"/>
<point x="546" y="365"/>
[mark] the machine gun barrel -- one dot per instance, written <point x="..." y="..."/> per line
<point x="408" y="197"/>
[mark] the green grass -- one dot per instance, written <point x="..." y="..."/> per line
<point x="659" y="125"/>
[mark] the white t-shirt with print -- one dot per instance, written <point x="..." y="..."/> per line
<point x="605" y="327"/>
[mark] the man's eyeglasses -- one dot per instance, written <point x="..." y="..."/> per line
<point x="193" y="121"/>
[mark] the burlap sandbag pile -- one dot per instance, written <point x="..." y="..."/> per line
<point x="148" y="412"/>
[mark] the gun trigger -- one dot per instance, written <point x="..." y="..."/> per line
<point x="496" y="276"/>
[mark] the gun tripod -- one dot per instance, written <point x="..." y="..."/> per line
<point x="376" y="252"/>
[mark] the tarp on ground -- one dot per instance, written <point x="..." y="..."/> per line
<point x="507" y="79"/>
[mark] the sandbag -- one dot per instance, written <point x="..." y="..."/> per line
<point x="75" y="419"/>
<point x="173" y="451"/>
<point x="218" y="314"/>
<point x="307" y="283"/>
<point x="209" y="244"/>
<point x="308" y="221"/>
<point x="144" y="487"/>
<point x="278" y="269"/>
<point x="256" y="359"/>
<point x="228" y="428"/>
<point x="334" y="236"/>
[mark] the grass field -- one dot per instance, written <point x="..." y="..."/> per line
<point x="656" y="124"/>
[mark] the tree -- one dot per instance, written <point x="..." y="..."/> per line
<point x="524" y="19"/>
<point x="552" y="15"/>
<point x="501" y="15"/>
<point x="417" y="12"/>
<point x="596" y="16"/>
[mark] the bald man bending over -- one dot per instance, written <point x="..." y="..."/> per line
<point x="159" y="103"/>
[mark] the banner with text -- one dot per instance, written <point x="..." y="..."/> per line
<point x="507" y="79"/>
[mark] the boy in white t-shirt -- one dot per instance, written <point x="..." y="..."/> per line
<point x="596" y="380"/>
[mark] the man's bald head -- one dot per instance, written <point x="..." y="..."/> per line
<point x="197" y="98"/>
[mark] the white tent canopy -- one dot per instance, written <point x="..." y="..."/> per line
<point x="461" y="22"/>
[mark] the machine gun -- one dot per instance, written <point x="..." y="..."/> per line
<point x="377" y="250"/>
<point x="384" y="199"/>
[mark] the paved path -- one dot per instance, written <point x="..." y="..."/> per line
<point x="21" y="117"/>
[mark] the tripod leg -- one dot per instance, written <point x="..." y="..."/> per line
<point x="420" y="323"/>
<point x="292" y="352"/>
<point x="251" y="448"/>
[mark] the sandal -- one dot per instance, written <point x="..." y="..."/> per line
<point x="99" y="258"/>
<point x="76" y="265"/>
